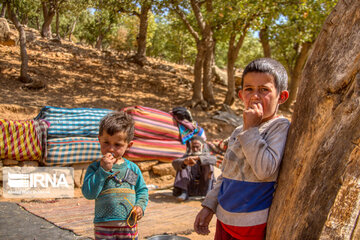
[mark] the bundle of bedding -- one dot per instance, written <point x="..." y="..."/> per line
<point x="23" y="139"/>
<point x="72" y="122"/>
<point x="70" y="150"/>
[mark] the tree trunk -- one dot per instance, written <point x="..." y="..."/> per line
<point x="198" y="68"/>
<point x="48" y="13"/>
<point x="72" y="29"/>
<point x="141" y="39"/>
<point x="233" y="52"/>
<point x="264" y="39"/>
<point x="24" y="57"/>
<point x="57" y="24"/>
<point x="3" y="9"/>
<point x="318" y="194"/>
<point x="99" y="40"/>
<point x="208" y="92"/>
<point x="296" y="74"/>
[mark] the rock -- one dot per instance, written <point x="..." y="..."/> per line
<point x="29" y="164"/>
<point x="8" y="37"/>
<point x="35" y="85"/>
<point x="146" y="165"/>
<point x="4" y="29"/>
<point x="79" y="173"/>
<point x="30" y="36"/>
<point x="9" y="162"/>
<point x="146" y="176"/>
<point x="220" y="75"/>
<point x="164" y="169"/>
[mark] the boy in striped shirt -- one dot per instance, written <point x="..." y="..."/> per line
<point x="243" y="192"/>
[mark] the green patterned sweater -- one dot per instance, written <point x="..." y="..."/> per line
<point x="114" y="200"/>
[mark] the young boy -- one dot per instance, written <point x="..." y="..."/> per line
<point x="115" y="183"/>
<point x="244" y="191"/>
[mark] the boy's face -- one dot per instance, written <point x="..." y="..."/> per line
<point x="259" y="89"/>
<point x="115" y="144"/>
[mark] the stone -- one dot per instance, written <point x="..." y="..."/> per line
<point x="4" y="29"/>
<point x="29" y="164"/>
<point x="164" y="169"/>
<point x="79" y="173"/>
<point x="220" y="75"/>
<point x="146" y="176"/>
<point x="9" y="162"/>
<point x="8" y="37"/>
<point x="146" y="165"/>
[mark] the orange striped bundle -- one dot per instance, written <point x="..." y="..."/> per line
<point x="19" y="140"/>
<point x="151" y="123"/>
<point x="150" y="149"/>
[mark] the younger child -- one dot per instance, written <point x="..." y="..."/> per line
<point x="115" y="183"/>
<point x="244" y="191"/>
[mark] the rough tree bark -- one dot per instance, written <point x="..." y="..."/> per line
<point x="3" y="9"/>
<point x="73" y="25"/>
<point x="208" y="92"/>
<point x="233" y="52"/>
<point x="264" y="40"/>
<point x="57" y="24"/>
<point x="318" y="194"/>
<point x="49" y="11"/>
<point x="99" y="40"/>
<point x="295" y="74"/>
<point x="24" y="77"/>
<point x="205" y="50"/>
<point x="140" y="56"/>
<point x="197" y="93"/>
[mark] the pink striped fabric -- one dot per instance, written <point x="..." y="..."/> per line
<point x="153" y="124"/>
<point x="151" y="149"/>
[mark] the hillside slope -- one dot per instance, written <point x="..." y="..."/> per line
<point x="79" y="76"/>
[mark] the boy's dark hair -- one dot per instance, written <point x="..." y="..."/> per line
<point x="117" y="122"/>
<point x="270" y="66"/>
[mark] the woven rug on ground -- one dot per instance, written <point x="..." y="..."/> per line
<point x="163" y="215"/>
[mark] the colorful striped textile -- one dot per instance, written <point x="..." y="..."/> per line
<point x="23" y="139"/>
<point x="153" y="124"/>
<point x="71" y="122"/>
<point x="150" y="149"/>
<point x="63" y="151"/>
<point x="103" y="231"/>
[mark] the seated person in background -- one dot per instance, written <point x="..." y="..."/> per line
<point x="195" y="171"/>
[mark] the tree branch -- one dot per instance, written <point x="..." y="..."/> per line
<point x="187" y="24"/>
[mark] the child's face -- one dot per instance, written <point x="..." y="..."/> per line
<point x="115" y="144"/>
<point x="259" y="88"/>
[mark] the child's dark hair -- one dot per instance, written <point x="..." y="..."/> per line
<point x="117" y="122"/>
<point x="270" y="66"/>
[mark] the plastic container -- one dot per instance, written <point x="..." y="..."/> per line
<point x="168" y="237"/>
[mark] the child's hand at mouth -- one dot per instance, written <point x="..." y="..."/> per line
<point x="253" y="115"/>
